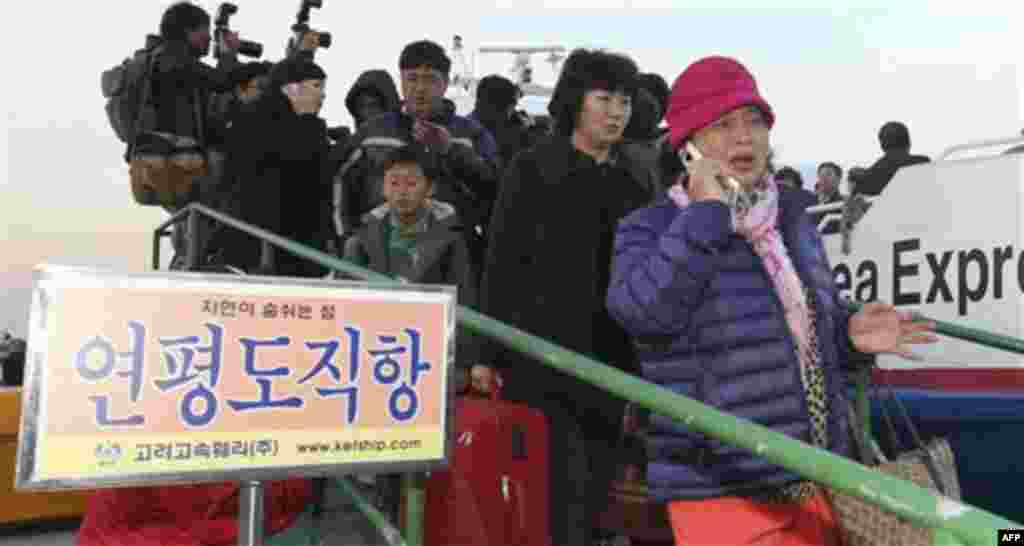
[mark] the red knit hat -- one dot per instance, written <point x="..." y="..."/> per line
<point x="708" y="89"/>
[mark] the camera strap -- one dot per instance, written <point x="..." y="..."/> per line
<point x="145" y="95"/>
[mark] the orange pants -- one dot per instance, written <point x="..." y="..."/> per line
<point x="734" y="521"/>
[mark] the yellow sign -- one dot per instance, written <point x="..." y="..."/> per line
<point x="163" y="378"/>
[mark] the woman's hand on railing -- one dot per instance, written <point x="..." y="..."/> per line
<point x="881" y="328"/>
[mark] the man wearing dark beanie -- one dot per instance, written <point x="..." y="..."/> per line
<point x="279" y="142"/>
<point x="496" y="100"/>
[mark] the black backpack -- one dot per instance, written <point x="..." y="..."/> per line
<point x="127" y="88"/>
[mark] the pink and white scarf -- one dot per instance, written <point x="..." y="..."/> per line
<point x="758" y="224"/>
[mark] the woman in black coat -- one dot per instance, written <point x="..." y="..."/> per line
<point x="547" y="272"/>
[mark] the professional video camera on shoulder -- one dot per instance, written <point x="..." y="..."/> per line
<point x="301" y="28"/>
<point x="245" y="47"/>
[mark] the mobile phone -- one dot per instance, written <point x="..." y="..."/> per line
<point x="728" y="182"/>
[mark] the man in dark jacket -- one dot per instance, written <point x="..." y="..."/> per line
<point x="646" y="143"/>
<point x="826" y="190"/>
<point x="373" y="94"/>
<point x="181" y="90"/>
<point x="279" y="156"/>
<point x="465" y="151"/>
<point x="895" y="140"/>
<point x="182" y="84"/>
<point x="547" y="271"/>
<point x="495" y="109"/>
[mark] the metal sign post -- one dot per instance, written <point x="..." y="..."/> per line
<point x="250" y="514"/>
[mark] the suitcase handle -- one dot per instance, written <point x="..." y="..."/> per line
<point x="521" y="505"/>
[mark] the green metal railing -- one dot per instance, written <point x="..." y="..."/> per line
<point x="953" y="522"/>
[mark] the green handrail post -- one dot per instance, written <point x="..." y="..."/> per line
<point x="414" y="491"/>
<point x="941" y="537"/>
<point x="923" y="507"/>
<point x="380" y="521"/>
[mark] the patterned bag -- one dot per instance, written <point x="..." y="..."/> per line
<point x="165" y="169"/>
<point x="931" y="465"/>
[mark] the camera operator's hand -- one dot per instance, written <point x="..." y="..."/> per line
<point x="432" y="135"/>
<point x="704" y="182"/>
<point x="310" y="41"/>
<point x="231" y="41"/>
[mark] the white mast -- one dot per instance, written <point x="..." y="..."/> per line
<point x="464" y="79"/>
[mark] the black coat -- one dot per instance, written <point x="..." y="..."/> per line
<point x="181" y="89"/>
<point x="548" y="266"/>
<point x="879" y="175"/>
<point x="511" y="134"/>
<point x="378" y="82"/>
<point x="279" y="161"/>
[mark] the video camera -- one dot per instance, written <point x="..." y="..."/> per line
<point x="245" y="47"/>
<point x="301" y="27"/>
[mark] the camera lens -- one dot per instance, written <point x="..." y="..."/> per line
<point x="250" y="49"/>
<point x="325" y="40"/>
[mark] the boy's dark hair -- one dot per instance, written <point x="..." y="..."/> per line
<point x="415" y="154"/>
<point x="425" y="53"/>
<point x="894" y="136"/>
<point x="833" y="166"/>
<point x="182" y="18"/>
<point x="586" y="70"/>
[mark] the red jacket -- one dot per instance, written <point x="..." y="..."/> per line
<point x="187" y="515"/>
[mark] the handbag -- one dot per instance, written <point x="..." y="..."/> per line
<point x="930" y="465"/>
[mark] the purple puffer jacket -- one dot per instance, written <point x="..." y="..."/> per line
<point x="707" y="324"/>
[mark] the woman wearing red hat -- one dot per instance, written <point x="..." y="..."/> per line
<point x="730" y="300"/>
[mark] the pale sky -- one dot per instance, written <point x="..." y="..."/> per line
<point x="834" y="72"/>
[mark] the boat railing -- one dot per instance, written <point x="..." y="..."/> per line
<point x="952" y="522"/>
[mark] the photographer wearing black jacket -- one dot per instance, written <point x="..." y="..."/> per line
<point x="182" y="88"/>
<point x="182" y="83"/>
<point x="278" y="156"/>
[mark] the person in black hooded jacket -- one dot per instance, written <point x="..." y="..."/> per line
<point x="278" y="154"/>
<point x="547" y="271"/>
<point x="496" y="100"/>
<point x="373" y="94"/>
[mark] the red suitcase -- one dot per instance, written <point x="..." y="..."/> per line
<point x="495" y="491"/>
